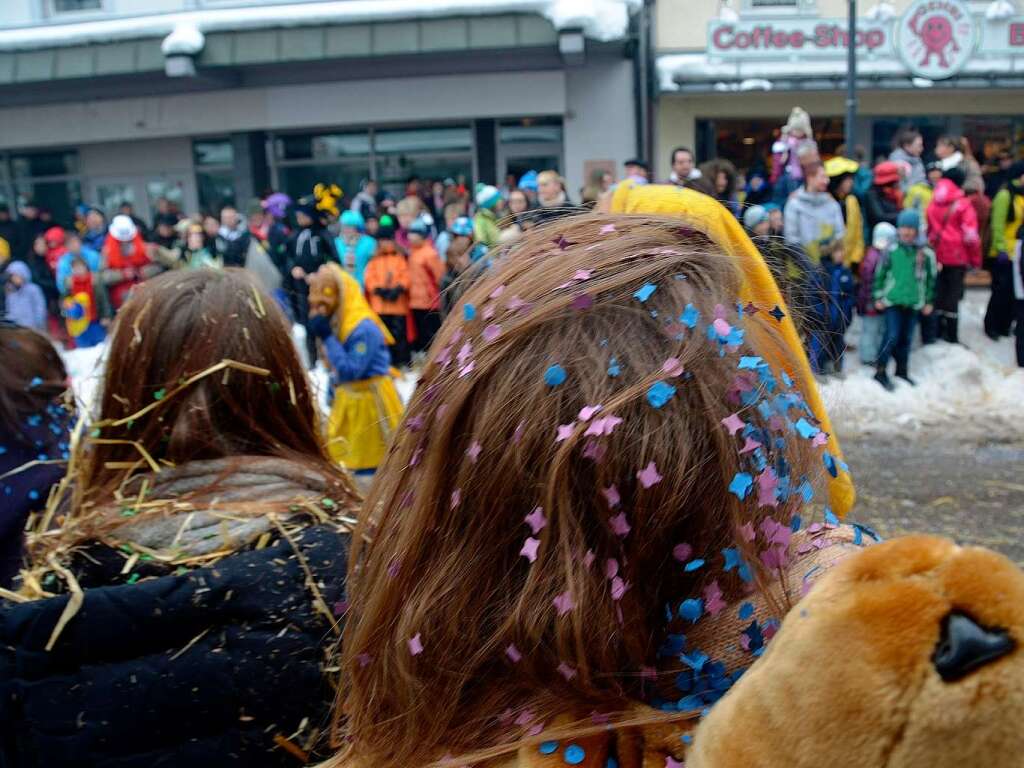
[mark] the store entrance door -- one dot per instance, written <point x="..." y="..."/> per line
<point x="517" y="159"/>
<point x="142" y="193"/>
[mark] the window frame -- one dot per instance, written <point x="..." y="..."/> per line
<point x="50" y="12"/>
<point x="798" y="8"/>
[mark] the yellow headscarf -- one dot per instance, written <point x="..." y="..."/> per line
<point x="353" y="308"/>
<point x="707" y="215"/>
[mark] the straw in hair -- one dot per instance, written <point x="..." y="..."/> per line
<point x="596" y="439"/>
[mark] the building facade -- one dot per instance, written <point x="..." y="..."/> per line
<point x="728" y="73"/>
<point x="214" y="101"/>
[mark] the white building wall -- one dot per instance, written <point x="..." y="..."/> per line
<point x="600" y="122"/>
<point x="365" y="102"/>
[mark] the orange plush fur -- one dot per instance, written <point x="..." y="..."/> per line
<point x="850" y="679"/>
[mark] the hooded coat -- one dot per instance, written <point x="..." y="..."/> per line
<point x="953" y="227"/>
<point x="26" y="305"/>
<point x="813" y="220"/>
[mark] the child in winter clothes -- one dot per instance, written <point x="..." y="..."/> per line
<point x="550" y="489"/>
<point x="386" y="282"/>
<point x="953" y="235"/>
<point x="124" y="260"/>
<point x="355" y="248"/>
<point x="425" y="273"/>
<point x="904" y="286"/>
<point x="26" y="304"/>
<point x="872" y="323"/>
<point x="485" y="222"/>
<point x="836" y="298"/>
<point x="83" y="308"/>
<point x="841" y="173"/>
<point x="196" y="255"/>
<point x="75" y="248"/>
<point x="365" y="407"/>
<point x="1007" y="217"/>
<point x="813" y="218"/>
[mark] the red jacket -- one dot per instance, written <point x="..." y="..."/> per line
<point x="953" y="227"/>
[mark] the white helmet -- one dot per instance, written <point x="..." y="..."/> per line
<point x="123" y="228"/>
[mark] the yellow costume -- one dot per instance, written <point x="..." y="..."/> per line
<point x="365" y="411"/>
<point x="706" y="215"/>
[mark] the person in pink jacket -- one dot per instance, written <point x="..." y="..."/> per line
<point x="953" y="235"/>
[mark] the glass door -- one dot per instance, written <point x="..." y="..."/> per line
<point x="142" y="193"/>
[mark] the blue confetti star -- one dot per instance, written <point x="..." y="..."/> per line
<point x="613" y="368"/>
<point x="732" y="558"/>
<point x="574" y="754"/>
<point x="645" y="291"/>
<point x="468" y="312"/>
<point x="740" y="485"/>
<point x="746" y="611"/>
<point x="748" y="363"/>
<point x="690" y="316"/>
<point x="554" y="376"/>
<point x="660" y="393"/>
<point x="694" y="565"/>
<point x="830" y="518"/>
<point x="548" y="747"/>
<point x="777" y="313"/>
<point x="805" y="429"/>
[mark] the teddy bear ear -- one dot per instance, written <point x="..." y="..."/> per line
<point x="965" y="645"/>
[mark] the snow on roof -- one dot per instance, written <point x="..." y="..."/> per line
<point x="601" y="20"/>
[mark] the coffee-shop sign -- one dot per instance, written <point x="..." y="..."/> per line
<point x="933" y="38"/>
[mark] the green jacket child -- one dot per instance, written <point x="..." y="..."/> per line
<point x="906" y="278"/>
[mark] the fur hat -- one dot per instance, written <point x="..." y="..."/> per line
<point x="754" y="215"/>
<point x="883" y="236"/>
<point x="122" y="228"/>
<point x="799" y="121"/>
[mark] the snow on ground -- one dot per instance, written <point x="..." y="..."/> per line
<point x="972" y="390"/>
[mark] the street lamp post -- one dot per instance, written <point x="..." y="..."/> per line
<point x="851" y="77"/>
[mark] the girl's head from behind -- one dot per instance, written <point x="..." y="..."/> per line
<point x="167" y="338"/>
<point x="595" y="426"/>
<point x="32" y="377"/>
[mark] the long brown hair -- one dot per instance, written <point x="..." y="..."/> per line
<point x="32" y="376"/>
<point x="451" y="626"/>
<point x="174" y="328"/>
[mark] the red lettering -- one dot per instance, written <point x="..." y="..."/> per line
<point x="1017" y="34"/>
<point x="723" y="37"/>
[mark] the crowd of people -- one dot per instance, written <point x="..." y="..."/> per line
<point x="614" y="481"/>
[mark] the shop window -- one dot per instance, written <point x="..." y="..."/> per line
<point x="298" y="180"/>
<point x="304" y="146"/>
<point x="529" y="131"/>
<point x="748" y="143"/>
<point x="46" y="179"/>
<point x="57" y="196"/>
<point x="779" y="5"/>
<point x="423" y="140"/>
<point x="57" y="7"/>
<point x="215" y="177"/>
<point x="44" y="164"/>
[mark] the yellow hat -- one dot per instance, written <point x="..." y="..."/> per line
<point x="837" y="166"/>
<point x="704" y="214"/>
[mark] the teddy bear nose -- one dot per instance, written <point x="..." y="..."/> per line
<point x="965" y="645"/>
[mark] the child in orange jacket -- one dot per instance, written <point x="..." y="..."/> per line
<point x="386" y="282"/>
<point x="425" y="273"/>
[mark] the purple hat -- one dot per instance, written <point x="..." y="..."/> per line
<point x="277" y="205"/>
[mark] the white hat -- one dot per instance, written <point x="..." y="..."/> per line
<point x="123" y="228"/>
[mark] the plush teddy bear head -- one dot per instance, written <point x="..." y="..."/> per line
<point x="907" y="655"/>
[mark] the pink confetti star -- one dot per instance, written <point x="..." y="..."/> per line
<point x="565" y="432"/>
<point x="619" y="588"/>
<point x="611" y="495"/>
<point x="416" y="645"/>
<point x="713" y="602"/>
<point x="473" y="452"/>
<point x="820" y="439"/>
<point x="648" y="476"/>
<point x="529" y="550"/>
<point x="513" y="653"/>
<point x="747" y="532"/>
<point x="564" y="603"/>
<point x="722" y="327"/>
<point x="566" y="671"/>
<point x="491" y="332"/>
<point x="515" y="304"/>
<point x="682" y="552"/>
<point x="593" y="450"/>
<point x="672" y="367"/>
<point x="588" y="412"/>
<point x="619" y="524"/>
<point x="607" y="229"/>
<point x="464" y="353"/>
<point x="588" y="559"/>
<point x="582" y="302"/>
<point x="671" y="762"/>
<point x="466" y="369"/>
<point x="536" y="520"/>
<point x="456" y="498"/>
<point x="517" y="435"/>
<point x="498" y="291"/>
<point x="488" y="313"/>
<point x="583" y="274"/>
<point x="364" y="659"/>
<point x="734" y="423"/>
<point x="611" y="568"/>
<point x="750" y="445"/>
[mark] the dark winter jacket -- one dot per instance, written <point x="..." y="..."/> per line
<point x="837" y="299"/>
<point x="232" y="245"/>
<point x="309" y="249"/>
<point x="44" y="437"/>
<point x="209" y="667"/>
<point x="879" y="208"/>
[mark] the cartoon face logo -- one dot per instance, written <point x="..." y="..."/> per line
<point x="936" y="33"/>
<point x="936" y="37"/>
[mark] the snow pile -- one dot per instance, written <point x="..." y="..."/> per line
<point x="185" y="40"/>
<point x="975" y="390"/>
<point x="602" y="20"/>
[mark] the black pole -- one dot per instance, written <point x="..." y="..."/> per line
<point x="851" y="78"/>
